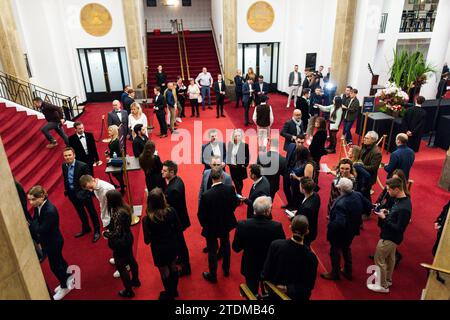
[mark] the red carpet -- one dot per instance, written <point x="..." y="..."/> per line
<point x="97" y="281"/>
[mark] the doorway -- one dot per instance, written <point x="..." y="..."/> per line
<point x="263" y="58"/>
<point x="105" y="73"/>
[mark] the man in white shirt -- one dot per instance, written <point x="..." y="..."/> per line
<point x="213" y="148"/>
<point x="205" y="81"/>
<point x="295" y="80"/>
<point x="100" y="188"/>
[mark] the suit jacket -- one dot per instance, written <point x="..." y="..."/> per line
<point x="176" y="197"/>
<point x="442" y="88"/>
<point x="216" y="211"/>
<point x="127" y="102"/>
<point x="265" y="88"/>
<point x="246" y="95"/>
<point x="51" y="112"/>
<point x="216" y="87"/>
<point x="259" y="190"/>
<point x="205" y="179"/>
<point x="81" y="169"/>
<point x="372" y="159"/>
<point x="317" y="146"/>
<point x="352" y="109"/>
<point x="303" y="106"/>
<point x="310" y="209"/>
<point x="75" y="143"/>
<point x="273" y="166"/>
<point x="254" y="236"/>
<point x="113" y="119"/>
<point x="159" y="105"/>
<point x="138" y="145"/>
<point x="289" y="130"/>
<point x="207" y="153"/>
<point x="239" y="82"/>
<point x="292" y="77"/>
<point x="243" y="160"/>
<point x="402" y="158"/>
<point x="46" y="226"/>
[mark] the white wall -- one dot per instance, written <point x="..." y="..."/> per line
<point x="301" y="27"/>
<point x="52" y="33"/>
<point x="195" y="18"/>
<point x="217" y="18"/>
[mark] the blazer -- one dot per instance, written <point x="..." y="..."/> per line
<point x="80" y="170"/>
<point x="239" y="82"/>
<point x="271" y="170"/>
<point x="216" y="87"/>
<point x="310" y="209"/>
<point x="176" y="197"/>
<point x="207" y="154"/>
<point x="161" y="79"/>
<point x="205" y="179"/>
<point x="256" y="191"/>
<point x="292" y="78"/>
<point x="351" y="110"/>
<point x="246" y="95"/>
<point x="127" y="102"/>
<point x="402" y="158"/>
<point x="265" y="88"/>
<point x="51" y="112"/>
<point x="113" y="119"/>
<point x="75" y="143"/>
<point x="303" y="106"/>
<point x="46" y="226"/>
<point x="372" y="159"/>
<point x="254" y="236"/>
<point x="243" y="154"/>
<point x="216" y="211"/>
<point x="138" y="145"/>
<point x="317" y="146"/>
<point x="289" y="130"/>
<point x="159" y="104"/>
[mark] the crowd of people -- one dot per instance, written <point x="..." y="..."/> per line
<point x="289" y="264"/>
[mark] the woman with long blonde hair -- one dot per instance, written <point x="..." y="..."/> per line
<point x="136" y="117"/>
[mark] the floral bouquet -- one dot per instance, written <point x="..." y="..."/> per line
<point x="392" y="99"/>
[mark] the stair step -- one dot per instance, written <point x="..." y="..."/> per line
<point x="24" y="132"/>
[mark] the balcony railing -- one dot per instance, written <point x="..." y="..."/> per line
<point x="418" y="21"/>
<point x="383" y="24"/>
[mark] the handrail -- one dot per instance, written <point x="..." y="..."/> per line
<point x="270" y="286"/>
<point x="246" y="292"/>
<point x="185" y="50"/>
<point x="431" y="267"/>
<point x="217" y="48"/>
<point x="23" y="92"/>
<point x="179" y="49"/>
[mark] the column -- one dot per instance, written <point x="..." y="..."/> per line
<point x="21" y="276"/>
<point x="365" y="41"/>
<point x="11" y="54"/>
<point x="229" y="38"/>
<point x="343" y="39"/>
<point x="437" y="53"/>
<point x="134" y="41"/>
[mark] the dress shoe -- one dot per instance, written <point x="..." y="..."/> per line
<point x="126" y="293"/>
<point x="210" y="108"/>
<point x="96" y="237"/>
<point x="347" y="275"/>
<point x="329" y="276"/>
<point x="82" y="233"/>
<point x="185" y="271"/>
<point x="135" y="283"/>
<point x="226" y="273"/>
<point x="217" y="117"/>
<point x="208" y="277"/>
<point x="61" y="293"/>
<point x="205" y="250"/>
<point x="52" y="145"/>
<point x="371" y="257"/>
<point x="163" y="295"/>
<point x="377" y="288"/>
<point x="223" y="116"/>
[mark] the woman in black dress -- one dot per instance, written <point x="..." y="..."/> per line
<point x="238" y="158"/>
<point x="181" y="96"/>
<point x="304" y="167"/>
<point x="161" y="227"/>
<point x="151" y="165"/>
<point x="115" y="151"/>
<point x="120" y="240"/>
<point x="317" y="147"/>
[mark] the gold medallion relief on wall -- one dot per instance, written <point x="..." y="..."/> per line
<point x="95" y="19"/>
<point x="260" y="16"/>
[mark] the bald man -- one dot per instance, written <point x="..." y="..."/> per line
<point x="402" y="158"/>
<point x="292" y="128"/>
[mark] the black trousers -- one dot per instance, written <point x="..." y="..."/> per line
<point x="335" y="254"/>
<point x="253" y="283"/>
<point x="183" y="252"/>
<point x="57" y="263"/>
<point x="122" y="260"/>
<point x="213" y="247"/>
<point x="246" y="111"/>
<point x="238" y="98"/>
<point x="81" y="205"/>
<point x="195" y="107"/>
<point x="287" y="189"/>
<point x="162" y="122"/>
<point x="219" y="102"/>
<point x="333" y="139"/>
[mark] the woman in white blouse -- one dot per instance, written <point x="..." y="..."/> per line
<point x="194" y="93"/>
<point x="336" y="113"/>
<point x="238" y="158"/>
<point x="136" y="117"/>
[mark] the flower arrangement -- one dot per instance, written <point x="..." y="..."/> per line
<point x="392" y="99"/>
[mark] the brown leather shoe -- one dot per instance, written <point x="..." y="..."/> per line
<point x="330" y="276"/>
<point x="52" y="145"/>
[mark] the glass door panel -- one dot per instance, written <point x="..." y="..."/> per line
<point x="265" y="61"/>
<point x="113" y="68"/>
<point x="97" y="71"/>
<point x="250" y="57"/>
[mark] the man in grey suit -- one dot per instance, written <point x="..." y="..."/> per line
<point x="295" y="80"/>
<point x="213" y="148"/>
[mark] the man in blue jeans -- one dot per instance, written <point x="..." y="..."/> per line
<point x="350" y="112"/>
<point x="55" y="118"/>
<point x="205" y="82"/>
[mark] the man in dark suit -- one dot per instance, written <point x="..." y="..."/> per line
<point x="216" y="216"/>
<point x="124" y="94"/>
<point x="248" y="90"/>
<point x="160" y="111"/>
<point x="55" y="118"/>
<point x="140" y="140"/>
<point x="220" y="89"/>
<point x="309" y="208"/>
<point x="239" y="82"/>
<point x="45" y="225"/>
<point x="402" y="158"/>
<point x="442" y="87"/>
<point x="292" y="128"/>
<point x="413" y="124"/>
<point x="290" y="164"/>
<point x="303" y="105"/>
<point x="129" y="100"/>
<point x="350" y="112"/>
<point x="161" y="79"/>
<point x="273" y="167"/>
<point x="119" y="118"/>
<point x="254" y="236"/>
<point x="176" y="198"/>
<point x="213" y="148"/>
<point x="344" y="224"/>
<point x="84" y="145"/>
<point x="261" y="90"/>
<point x="81" y="199"/>
<point x="260" y="187"/>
